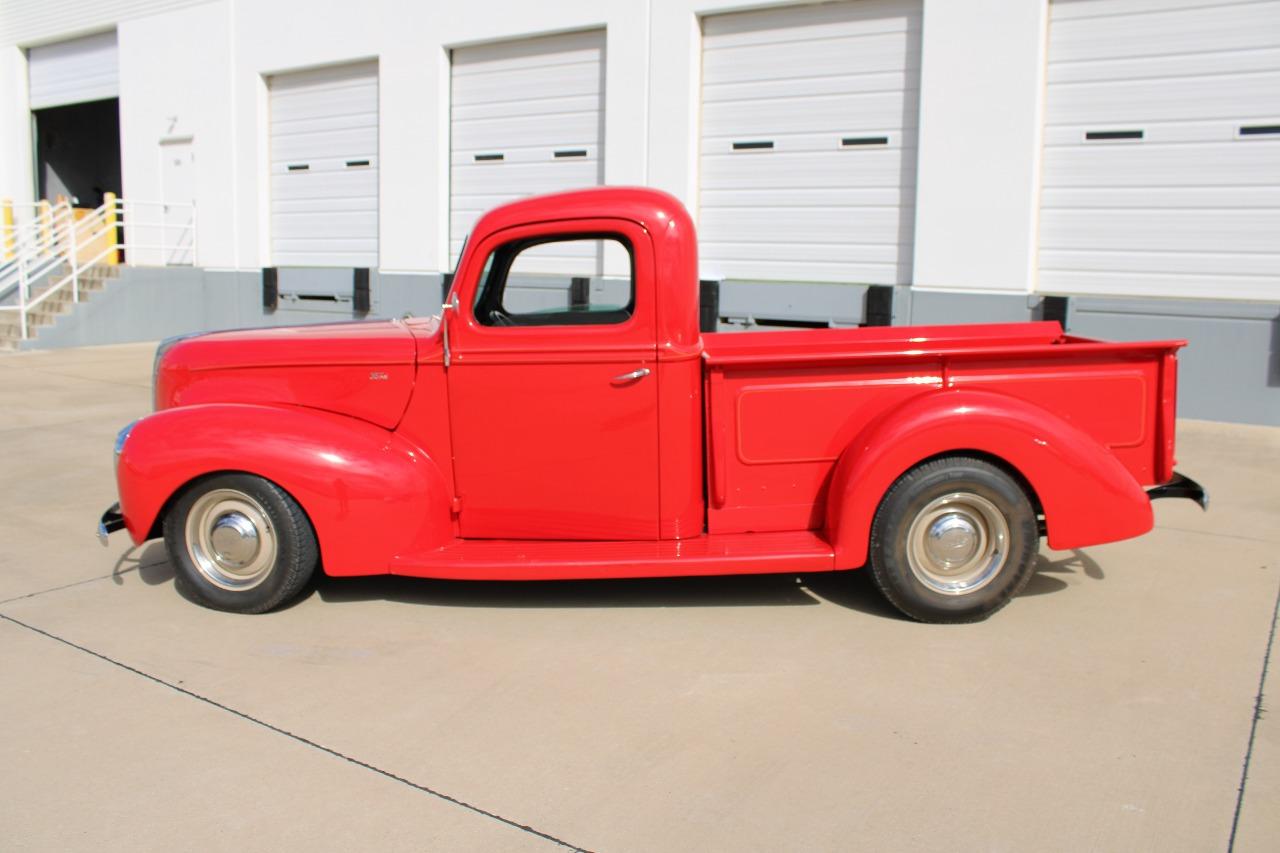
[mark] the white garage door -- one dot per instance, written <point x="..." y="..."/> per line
<point x="324" y="167"/>
<point x="808" y="160"/>
<point x="1162" y="149"/>
<point x="73" y="72"/>
<point x="526" y="117"/>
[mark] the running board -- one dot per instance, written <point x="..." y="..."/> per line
<point x="709" y="554"/>
<point x="1181" y="486"/>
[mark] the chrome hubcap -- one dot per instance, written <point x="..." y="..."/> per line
<point x="230" y="539"/>
<point x="234" y="540"/>
<point x="958" y="543"/>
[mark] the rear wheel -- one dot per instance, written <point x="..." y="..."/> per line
<point x="953" y="540"/>
<point x="240" y="543"/>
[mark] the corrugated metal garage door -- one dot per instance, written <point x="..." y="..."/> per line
<point x="1162" y="149"/>
<point x="324" y="167"/>
<point x="73" y="72"/>
<point x="526" y="117"/>
<point x="808" y="161"/>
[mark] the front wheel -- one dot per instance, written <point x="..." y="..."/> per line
<point x="953" y="540"/>
<point x="240" y="543"/>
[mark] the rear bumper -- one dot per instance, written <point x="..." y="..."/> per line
<point x="111" y="521"/>
<point x="1181" y="486"/>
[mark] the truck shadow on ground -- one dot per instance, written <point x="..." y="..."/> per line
<point x="854" y="590"/>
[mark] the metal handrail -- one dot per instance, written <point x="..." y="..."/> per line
<point x="56" y="237"/>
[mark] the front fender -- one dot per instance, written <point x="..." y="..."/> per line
<point x="1087" y="495"/>
<point x="369" y="493"/>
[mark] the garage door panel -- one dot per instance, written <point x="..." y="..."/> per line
<point x="1192" y="207"/>
<point x="74" y="71"/>
<point x="895" y="138"/>
<point x="324" y="119"/>
<point x="523" y="100"/>
<point x="533" y="178"/>
<point x="806" y="170"/>
<point x="1219" y="96"/>
<point x="833" y="85"/>
<point x="1235" y="27"/>
<point x="813" y="60"/>
<point x="1239" y="163"/>
<point x="467" y="113"/>
<point x="338" y="190"/>
<point x="1074" y="9"/>
<point x="576" y="79"/>
<point x="1226" y="232"/>
<point x="322" y="253"/>
<point x="337" y="204"/>
<point x="815" y="21"/>
<point x="1145" y="198"/>
<point x="1129" y="261"/>
<point x="302" y="127"/>
<point x="1157" y="67"/>
<point x="798" y="264"/>
<point x="1158" y="284"/>
<point x="803" y="79"/>
<point x="346" y="101"/>
<point x="322" y="224"/>
<point x="523" y="54"/>
<point x="1154" y="134"/>
<point x="808" y="113"/>
<point x="514" y="156"/>
<point x="873" y="225"/>
<point x="552" y="132"/>
<point x="334" y="145"/>
<point x="891" y="196"/>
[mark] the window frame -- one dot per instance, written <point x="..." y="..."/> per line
<point x="507" y="253"/>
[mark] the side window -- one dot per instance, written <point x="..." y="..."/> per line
<point x="578" y="281"/>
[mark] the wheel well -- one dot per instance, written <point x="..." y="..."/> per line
<point x="997" y="462"/>
<point x="157" y="526"/>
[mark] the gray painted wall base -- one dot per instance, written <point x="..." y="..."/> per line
<point x="1229" y="372"/>
<point x="1230" y="368"/>
<point x="148" y="304"/>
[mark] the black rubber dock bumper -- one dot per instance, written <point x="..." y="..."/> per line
<point x="1181" y="486"/>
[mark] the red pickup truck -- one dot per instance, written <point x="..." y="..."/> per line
<point x="565" y="418"/>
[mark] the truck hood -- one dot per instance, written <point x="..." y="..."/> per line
<point x="365" y="370"/>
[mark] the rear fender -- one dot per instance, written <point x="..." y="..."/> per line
<point x="369" y="493"/>
<point x="1087" y="495"/>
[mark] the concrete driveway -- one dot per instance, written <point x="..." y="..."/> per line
<point x="1111" y="707"/>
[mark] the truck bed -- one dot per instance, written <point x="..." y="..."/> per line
<point x="782" y="406"/>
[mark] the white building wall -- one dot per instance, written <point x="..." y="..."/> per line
<point x="29" y="22"/>
<point x="17" y="180"/>
<point x="199" y="70"/>
<point x="411" y="42"/>
<point x="981" y="93"/>
<point x="175" y="81"/>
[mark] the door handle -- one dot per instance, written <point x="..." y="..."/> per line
<point x="630" y="377"/>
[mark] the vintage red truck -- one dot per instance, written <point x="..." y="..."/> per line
<point x="527" y="434"/>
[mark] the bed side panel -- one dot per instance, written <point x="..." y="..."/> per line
<point x="775" y="435"/>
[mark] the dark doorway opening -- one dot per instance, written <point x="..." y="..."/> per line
<point x="78" y="152"/>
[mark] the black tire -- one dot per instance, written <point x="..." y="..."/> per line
<point x="954" y="540"/>
<point x="240" y="543"/>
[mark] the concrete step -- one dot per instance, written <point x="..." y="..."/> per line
<point x="62" y="302"/>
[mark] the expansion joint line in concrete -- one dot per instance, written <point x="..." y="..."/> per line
<point x="1253" y="727"/>
<point x="115" y="574"/>
<point x="296" y="737"/>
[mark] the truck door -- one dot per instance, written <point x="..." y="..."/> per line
<point x="552" y="386"/>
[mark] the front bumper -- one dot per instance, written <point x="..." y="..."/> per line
<point x="111" y="521"/>
<point x="1181" y="486"/>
